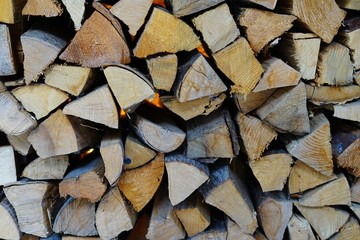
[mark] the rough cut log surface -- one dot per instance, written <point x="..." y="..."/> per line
<point x="270" y="4"/>
<point x="10" y="11"/>
<point x="351" y="230"/>
<point x="348" y="111"/>
<point x="76" y="9"/>
<point x="355" y="191"/>
<point x="182" y="8"/>
<point x="299" y="228"/>
<point x="47" y="8"/>
<point x="349" y="4"/>
<point x="20" y="143"/>
<point x="321" y="95"/>
<point x="136" y="153"/>
<point x="7" y="165"/>
<point x="234" y="231"/>
<point x="47" y="168"/>
<point x="7" y="61"/>
<point x="9" y="228"/>
<point x="217" y="230"/>
<point x="251" y="101"/>
<point x="163" y="71"/>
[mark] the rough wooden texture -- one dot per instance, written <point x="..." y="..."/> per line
<point x="228" y="193"/>
<point x="7" y="165"/>
<point x="351" y="230"/>
<point x="76" y="217"/>
<point x="217" y="230"/>
<point x="20" y="143"/>
<point x="322" y="95"/>
<point x="182" y="8"/>
<point x="303" y="177"/>
<point x="262" y="26"/>
<point x="46" y="168"/>
<point x="85" y="182"/>
<point x="31" y="207"/>
<point x="251" y="101"/>
<point x="357" y="77"/>
<point x="349" y="37"/>
<point x="98" y="42"/>
<point x="322" y="17"/>
<point x="234" y="231"/>
<point x="132" y="13"/>
<point x="238" y="63"/>
<point x="163" y="71"/>
<point x="299" y="228"/>
<point x="9" y="228"/>
<point x="140" y="184"/>
<point x="114" y="215"/>
<point x="7" y="61"/>
<point x="355" y="208"/>
<point x="14" y="119"/>
<point x="71" y="79"/>
<point x="325" y="220"/>
<point x="60" y="134"/>
<point x="129" y="87"/>
<point x="355" y="191"/>
<point x="39" y="99"/>
<point x="349" y="4"/>
<point x="185" y="175"/>
<point x="286" y="110"/>
<point x="76" y="9"/>
<point x="212" y="136"/>
<point x="348" y="111"/>
<point x="197" y="79"/>
<point x="314" y="149"/>
<point x="217" y="27"/>
<point x="97" y="106"/>
<point x="10" y="11"/>
<point x="46" y="8"/>
<point x="270" y="4"/>
<point x="158" y="38"/>
<point x="80" y="238"/>
<point x="256" y="136"/>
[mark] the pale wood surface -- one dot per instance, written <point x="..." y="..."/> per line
<point x="299" y="228"/>
<point x="47" y="168"/>
<point x="355" y="208"/>
<point x="47" y="8"/>
<point x="10" y="11"/>
<point x="234" y="231"/>
<point x="163" y="71"/>
<point x="349" y="4"/>
<point x="357" y="77"/>
<point x="7" y="165"/>
<point x="331" y="94"/>
<point x="217" y="230"/>
<point x="355" y="191"/>
<point x="270" y="4"/>
<point x="182" y="8"/>
<point x="251" y="101"/>
<point x="7" y="62"/>
<point x="348" y="111"/>
<point x="76" y="9"/>
<point x="20" y="143"/>
<point x="351" y="230"/>
<point x="9" y="228"/>
<point x="349" y="37"/>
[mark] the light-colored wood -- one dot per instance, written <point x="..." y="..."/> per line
<point x="348" y="111"/>
<point x="251" y="101"/>
<point x="158" y="38"/>
<point x="39" y="99"/>
<point x="262" y="26"/>
<point x="314" y="149"/>
<point x="10" y="11"/>
<point x="7" y="165"/>
<point x="3" y="88"/>
<point x="277" y="74"/>
<point x="9" y="228"/>
<point x="185" y="175"/>
<point x="114" y="215"/>
<point x="349" y="37"/>
<point x="60" y="134"/>
<point x="357" y="77"/>
<point x="349" y="4"/>
<point x="272" y="170"/>
<point x="322" y="95"/>
<point x="7" y="62"/>
<point x="237" y="61"/>
<point x="97" y="106"/>
<point x="136" y="153"/>
<point x="227" y="192"/>
<point x="323" y="17"/>
<point x="197" y="79"/>
<point x="140" y="184"/>
<point x="217" y="230"/>
<point x="71" y="79"/>
<point x="304" y="177"/>
<point x="132" y="13"/>
<point x="14" y="119"/>
<point x="76" y="217"/>
<point x="163" y="71"/>
<point x="325" y="220"/>
<point x="299" y="228"/>
<point x="234" y="231"/>
<point x="31" y="201"/>
<point x="98" y="42"/>
<point x="182" y="8"/>
<point x="355" y="191"/>
<point x="85" y="182"/>
<point x="129" y="87"/>
<point x="217" y="27"/>
<point x="270" y="4"/>
<point x="351" y="230"/>
<point x="46" y="168"/>
<point x="20" y="143"/>
<point x="79" y="238"/>
<point x="190" y="109"/>
<point x="76" y="9"/>
<point x="256" y="136"/>
<point x="286" y="110"/>
<point x="212" y="136"/>
<point x="47" y="8"/>
<point x="355" y="207"/>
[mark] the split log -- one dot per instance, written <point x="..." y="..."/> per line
<point x="303" y="177"/>
<point x="132" y="13"/>
<point x="79" y="238"/>
<point x="348" y="111"/>
<point x="322" y="95"/>
<point x="85" y="182"/>
<point x="140" y="184"/>
<point x="272" y="170"/>
<point x="349" y="4"/>
<point x="47" y="8"/>
<point x="163" y="70"/>
<point x="114" y="215"/>
<point x="181" y="8"/>
<point x="286" y="110"/>
<point x="314" y="149"/>
<point x="7" y="61"/>
<point x="136" y="153"/>
<point x="53" y="236"/>
<point x="129" y="87"/>
<point x="76" y="217"/>
<point x="217" y="27"/>
<point x="299" y="228"/>
<point x="193" y="214"/>
<point x="349" y="38"/>
<point x="185" y="175"/>
<point x="238" y="63"/>
<point x="270" y="4"/>
<point x="3" y="87"/>
<point x="112" y="153"/>
<point x="315" y="16"/>
<point x="234" y="231"/>
<point x="357" y="77"/>
<point x="251" y="101"/>
<point x="71" y="79"/>
<point x="197" y="79"/>
<point x="20" y="143"/>
<point x="351" y="230"/>
<point x="14" y="119"/>
<point x="39" y="99"/>
<point x="10" y="12"/>
<point x="7" y="165"/>
<point x="355" y="207"/>
<point x="217" y="230"/>
<point x="31" y="208"/>
<point x="355" y="191"/>
<point x="228" y="193"/>
<point x="76" y="9"/>
<point x="9" y="228"/>
<point x="256" y="136"/>
<point x="98" y="42"/>
<point x="158" y="38"/>
<point x="47" y="168"/>
<point x="140" y="228"/>
<point x="262" y="26"/>
<point x="325" y="220"/>
<point x="212" y="136"/>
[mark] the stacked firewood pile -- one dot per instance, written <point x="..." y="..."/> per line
<point x="141" y="119"/>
